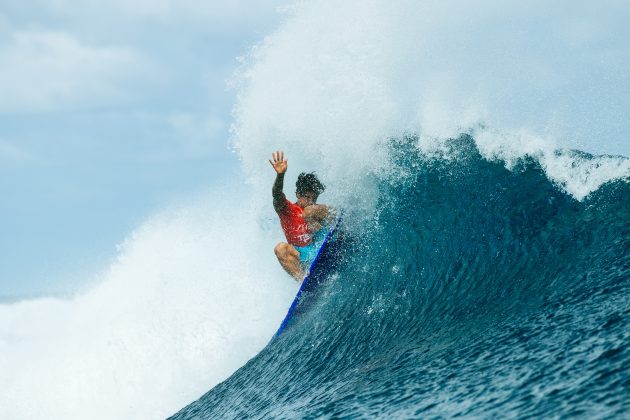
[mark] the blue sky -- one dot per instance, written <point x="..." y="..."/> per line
<point x="109" y="111"/>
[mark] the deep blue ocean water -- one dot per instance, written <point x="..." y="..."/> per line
<point x="472" y="291"/>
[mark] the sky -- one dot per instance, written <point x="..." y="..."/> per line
<point x="109" y="111"/>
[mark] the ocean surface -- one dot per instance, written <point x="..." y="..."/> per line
<point x="475" y="291"/>
<point x="480" y="153"/>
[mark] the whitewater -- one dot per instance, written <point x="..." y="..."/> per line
<point x="480" y="153"/>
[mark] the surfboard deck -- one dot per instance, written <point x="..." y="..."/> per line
<point x="320" y="268"/>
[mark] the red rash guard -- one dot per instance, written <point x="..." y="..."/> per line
<point x="295" y="227"/>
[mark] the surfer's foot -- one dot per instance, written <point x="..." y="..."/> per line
<point x="302" y="276"/>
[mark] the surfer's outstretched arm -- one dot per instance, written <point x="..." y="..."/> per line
<point x="280" y="165"/>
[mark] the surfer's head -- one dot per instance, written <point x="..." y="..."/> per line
<point x="309" y="186"/>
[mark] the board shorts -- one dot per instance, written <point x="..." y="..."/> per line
<point x="309" y="252"/>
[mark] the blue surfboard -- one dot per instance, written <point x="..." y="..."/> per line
<point x="321" y="268"/>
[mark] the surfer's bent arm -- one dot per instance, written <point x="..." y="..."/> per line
<point x="319" y="214"/>
<point x="279" y="199"/>
<point x="316" y="212"/>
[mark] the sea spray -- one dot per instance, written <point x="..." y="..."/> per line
<point x="193" y="294"/>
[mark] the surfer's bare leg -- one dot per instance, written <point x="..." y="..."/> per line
<point x="289" y="259"/>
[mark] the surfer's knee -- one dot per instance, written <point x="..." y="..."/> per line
<point x="281" y="250"/>
<point x="285" y="251"/>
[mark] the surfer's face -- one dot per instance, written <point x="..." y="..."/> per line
<point x="306" y="199"/>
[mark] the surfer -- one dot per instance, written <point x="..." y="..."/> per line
<point x="303" y="222"/>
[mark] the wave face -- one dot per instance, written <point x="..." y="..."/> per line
<point x="474" y="291"/>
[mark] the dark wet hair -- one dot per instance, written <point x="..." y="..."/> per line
<point x="309" y="183"/>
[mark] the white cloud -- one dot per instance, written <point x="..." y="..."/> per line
<point x="195" y="136"/>
<point x="11" y="155"/>
<point x="44" y="70"/>
<point x="217" y="10"/>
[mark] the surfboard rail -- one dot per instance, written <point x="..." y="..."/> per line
<point x="313" y="272"/>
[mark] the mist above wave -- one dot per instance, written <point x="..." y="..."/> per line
<point x="336" y="80"/>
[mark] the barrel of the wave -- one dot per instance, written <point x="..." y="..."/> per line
<point x="321" y="269"/>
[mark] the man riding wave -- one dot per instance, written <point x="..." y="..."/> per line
<point x="303" y="222"/>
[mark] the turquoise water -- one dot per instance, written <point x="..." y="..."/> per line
<point x="474" y="291"/>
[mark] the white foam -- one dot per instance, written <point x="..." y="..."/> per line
<point x="336" y="80"/>
<point x="193" y="295"/>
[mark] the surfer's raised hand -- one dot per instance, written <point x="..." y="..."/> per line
<point x="279" y="164"/>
